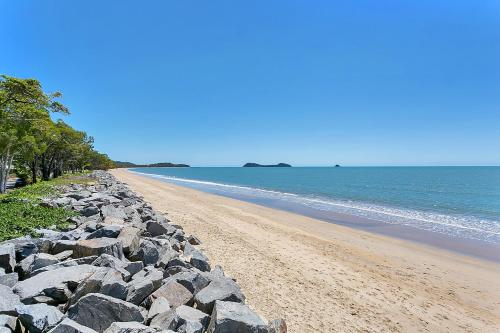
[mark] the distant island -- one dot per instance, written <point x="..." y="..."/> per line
<point x="256" y="165"/>
<point x="120" y="164"/>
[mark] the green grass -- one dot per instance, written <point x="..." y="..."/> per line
<point x="21" y="214"/>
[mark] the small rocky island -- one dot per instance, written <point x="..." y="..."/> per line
<point x="256" y="165"/>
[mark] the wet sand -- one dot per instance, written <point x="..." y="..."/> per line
<point x="323" y="277"/>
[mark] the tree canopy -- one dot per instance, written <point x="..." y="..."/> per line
<point x="33" y="143"/>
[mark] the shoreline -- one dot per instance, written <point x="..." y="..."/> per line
<point x="319" y="275"/>
<point x="460" y="245"/>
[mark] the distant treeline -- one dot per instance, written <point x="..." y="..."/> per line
<point x="31" y="143"/>
<point x="119" y="164"/>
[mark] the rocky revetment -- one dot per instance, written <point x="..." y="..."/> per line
<point x="118" y="267"/>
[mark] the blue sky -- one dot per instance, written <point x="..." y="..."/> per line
<point x="305" y="82"/>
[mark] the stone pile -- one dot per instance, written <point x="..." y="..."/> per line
<point x="119" y="267"/>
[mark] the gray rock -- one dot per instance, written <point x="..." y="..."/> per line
<point x="34" y="262"/>
<point x="113" y="220"/>
<point x="129" y="236"/>
<point x="109" y="231"/>
<point x="129" y="327"/>
<point x="106" y="260"/>
<point x="71" y="326"/>
<point x="9" y="279"/>
<point x="89" y="211"/>
<point x="98" y="246"/>
<point x="147" y="252"/>
<point x="188" y="319"/>
<point x="175" y="293"/>
<point x="60" y="293"/>
<point x="64" y="255"/>
<point x="8" y="257"/>
<point x="58" y="246"/>
<point x="230" y="317"/>
<point x="113" y="211"/>
<point x="106" y="281"/>
<point x="143" y="284"/>
<point x="8" y="301"/>
<point x="179" y="235"/>
<point x="158" y="228"/>
<point x="192" y="280"/>
<point x="79" y="195"/>
<point x="222" y="289"/>
<point x="39" y="317"/>
<point x="134" y="267"/>
<point x="159" y="306"/>
<point x="100" y="311"/>
<point x="8" y="322"/>
<point x="277" y="326"/>
<point x="36" y="285"/>
<point x="66" y="263"/>
<point x="200" y="261"/>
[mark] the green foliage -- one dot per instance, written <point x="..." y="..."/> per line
<point x="21" y="214"/>
<point x="21" y="217"/>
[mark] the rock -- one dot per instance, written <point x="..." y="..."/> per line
<point x="58" y="246"/>
<point x="39" y="317"/>
<point x="106" y="281"/>
<point x="79" y="195"/>
<point x="66" y="263"/>
<point x="89" y="211"/>
<point x="60" y="293"/>
<point x="98" y="246"/>
<point x="35" y="286"/>
<point x="134" y="267"/>
<point x="108" y="231"/>
<point x="129" y="327"/>
<point x="143" y="284"/>
<point x="113" y="211"/>
<point x="160" y="305"/>
<point x="8" y="301"/>
<point x="8" y="257"/>
<point x="157" y="228"/>
<point x="64" y="255"/>
<point x="200" y="261"/>
<point x="34" y="262"/>
<point x="175" y="293"/>
<point x="147" y="252"/>
<point x="193" y="281"/>
<point x="230" y="317"/>
<point x="193" y="240"/>
<point x="8" y="322"/>
<point x="188" y="319"/>
<point x="9" y="279"/>
<point x="100" y="311"/>
<point x="277" y="326"/>
<point x="71" y="326"/>
<point x="129" y="236"/>
<point x="27" y="246"/>
<point x="113" y="220"/>
<point x="221" y="289"/>
<point x="179" y="235"/>
<point x="106" y="260"/>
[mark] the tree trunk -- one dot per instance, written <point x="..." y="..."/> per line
<point x="33" y="167"/>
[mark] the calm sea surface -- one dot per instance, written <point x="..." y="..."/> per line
<point x="462" y="202"/>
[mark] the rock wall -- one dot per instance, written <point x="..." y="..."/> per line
<point x="120" y="267"/>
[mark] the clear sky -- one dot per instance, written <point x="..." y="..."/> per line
<point x="305" y="82"/>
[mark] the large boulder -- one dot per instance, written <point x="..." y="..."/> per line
<point x="71" y="326"/>
<point x="129" y="327"/>
<point x="106" y="281"/>
<point x="8" y="257"/>
<point x="188" y="319"/>
<point x="98" y="246"/>
<point x="230" y="317"/>
<point x="8" y="301"/>
<point x="147" y="252"/>
<point x="158" y="228"/>
<point x="36" y="285"/>
<point x="113" y="211"/>
<point x="39" y="317"/>
<point x="159" y="306"/>
<point x="221" y="289"/>
<point x="34" y="262"/>
<point x="9" y="279"/>
<point x="99" y="311"/>
<point x="107" y="231"/>
<point x="58" y="246"/>
<point x="106" y="260"/>
<point x="129" y="236"/>
<point x="8" y="322"/>
<point x="175" y="293"/>
<point x="192" y="280"/>
<point x="200" y="261"/>
<point x="143" y="284"/>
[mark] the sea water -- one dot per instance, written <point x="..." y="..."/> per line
<point x="461" y="202"/>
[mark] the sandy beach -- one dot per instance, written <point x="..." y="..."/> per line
<point x="323" y="277"/>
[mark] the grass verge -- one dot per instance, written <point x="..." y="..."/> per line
<point x="21" y="214"/>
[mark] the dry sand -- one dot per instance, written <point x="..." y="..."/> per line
<point x="323" y="277"/>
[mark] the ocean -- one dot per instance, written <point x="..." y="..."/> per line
<point x="458" y="202"/>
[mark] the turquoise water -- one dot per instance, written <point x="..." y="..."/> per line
<point x="462" y="202"/>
